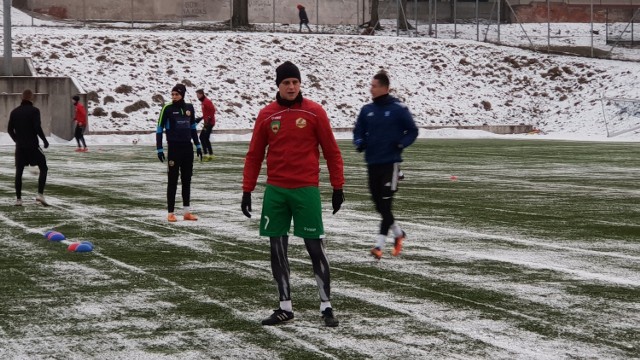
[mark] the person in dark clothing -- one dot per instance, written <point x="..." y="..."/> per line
<point x="383" y="130"/>
<point x="209" y="118"/>
<point x="178" y="120"/>
<point x="25" y="128"/>
<point x="304" y="20"/>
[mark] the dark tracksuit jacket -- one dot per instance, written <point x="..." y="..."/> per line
<point x="178" y="121"/>
<point x="384" y="128"/>
<point x="383" y="125"/>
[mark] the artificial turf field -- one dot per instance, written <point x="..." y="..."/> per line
<point x="532" y="251"/>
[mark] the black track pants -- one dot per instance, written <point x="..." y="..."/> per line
<point x="180" y="163"/>
<point x="383" y="182"/>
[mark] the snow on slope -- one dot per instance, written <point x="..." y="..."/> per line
<point x="444" y="82"/>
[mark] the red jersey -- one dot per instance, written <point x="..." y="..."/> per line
<point x="292" y="136"/>
<point x="208" y="112"/>
<point x="80" y="115"/>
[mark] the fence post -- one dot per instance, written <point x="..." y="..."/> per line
<point x="415" y="4"/>
<point x="8" y="63"/>
<point x="398" y="18"/>
<point x="548" y="26"/>
<point x="455" y="19"/>
<point x="591" y="28"/>
<point x="499" y="9"/>
<point x="182" y="16"/>
<point x="477" y="21"/>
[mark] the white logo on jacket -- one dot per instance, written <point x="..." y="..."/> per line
<point x="387" y="113"/>
<point x="370" y="114"/>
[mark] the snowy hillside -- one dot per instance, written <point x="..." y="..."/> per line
<point x="129" y="74"/>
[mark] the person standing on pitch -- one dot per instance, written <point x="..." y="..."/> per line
<point x="383" y="130"/>
<point x="178" y="120"/>
<point x="80" y="119"/>
<point x="292" y="128"/>
<point x="24" y="128"/>
<point x="209" y="117"/>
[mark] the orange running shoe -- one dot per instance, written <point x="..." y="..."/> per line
<point x="190" y="217"/>
<point x="397" y="245"/>
<point x="377" y="253"/>
<point x="171" y="217"/>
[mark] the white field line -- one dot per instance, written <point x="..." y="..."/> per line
<point x="475" y="234"/>
<point x="300" y="261"/>
<point x="519" y="343"/>
<point x="133" y="268"/>
<point x="274" y="330"/>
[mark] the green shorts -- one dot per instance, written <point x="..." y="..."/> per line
<point x="280" y="205"/>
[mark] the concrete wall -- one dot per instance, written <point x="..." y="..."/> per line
<point x="442" y="10"/>
<point x="8" y="102"/>
<point x="260" y="11"/>
<point x="53" y="99"/>
<point x="21" y="66"/>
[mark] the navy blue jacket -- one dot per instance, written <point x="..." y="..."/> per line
<point x="179" y="122"/>
<point x="383" y="129"/>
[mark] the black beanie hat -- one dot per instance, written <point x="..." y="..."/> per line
<point x="287" y="70"/>
<point x="180" y="89"/>
<point x="76" y="97"/>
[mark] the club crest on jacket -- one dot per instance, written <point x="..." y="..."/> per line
<point x="301" y="123"/>
<point x="275" y="126"/>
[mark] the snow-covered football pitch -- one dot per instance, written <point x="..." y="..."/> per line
<point x="516" y="249"/>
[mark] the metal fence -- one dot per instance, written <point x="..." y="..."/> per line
<point x="607" y="32"/>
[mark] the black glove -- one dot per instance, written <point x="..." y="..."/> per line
<point x="360" y="145"/>
<point x="337" y="199"/>
<point x="161" y="155"/>
<point x="199" y="153"/>
<point x="198" y="119"/>
<point x="46" y="144"/>
<point x="246" y="204"/>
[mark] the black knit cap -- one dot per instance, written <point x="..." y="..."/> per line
<point x="76" y="97"/>
<point x="180" y="89"/>
<point x="287" y="70"/>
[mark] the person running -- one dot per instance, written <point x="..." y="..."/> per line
<point x="383" y="130"/>
<point x="304" y="19"/>
<point x="293" y="128"/>
<point x="25" y="128"/>
<point x="80" y="120"/>
<point x="209" y="117"/>
<point x="178" y="120"/>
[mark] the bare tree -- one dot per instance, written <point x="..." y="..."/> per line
<point x="374" y="22"/>
<point x="402" y="16"/>
<point x="240" y="15"/>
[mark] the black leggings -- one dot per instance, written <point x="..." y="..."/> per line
<point x="180" y="163"/>
<point x="79" y="135"/>
<point x="204" y="139"/>
<point x="280" y="266"/>
<point x="25" y="157"/>
<point x="42" y="179"/>
<point x="383" y="182"/>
